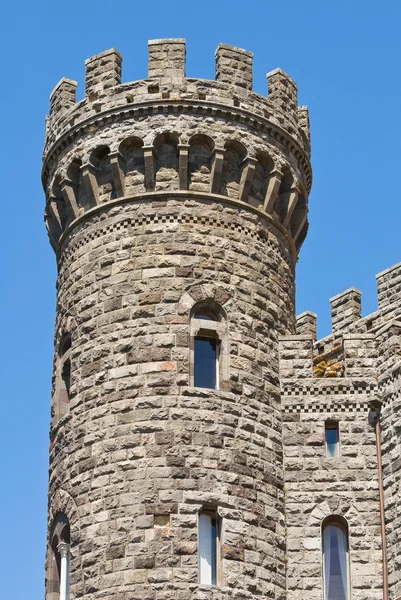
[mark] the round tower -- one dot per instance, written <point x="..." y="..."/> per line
<point x="176" y="208"/>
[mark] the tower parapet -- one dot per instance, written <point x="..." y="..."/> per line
<point x="272" y="174"/>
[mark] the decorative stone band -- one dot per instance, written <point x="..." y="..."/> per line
<point x="180" y="195"/>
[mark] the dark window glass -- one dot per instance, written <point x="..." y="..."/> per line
<point x="205" y="354"/>
<point x="332" y="439"/>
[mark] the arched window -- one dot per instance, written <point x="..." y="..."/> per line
<point x="335" y="559"/>
<point x="63" y="378"/>
<point x="59" y="560"/>
<point x="209" y="346"/>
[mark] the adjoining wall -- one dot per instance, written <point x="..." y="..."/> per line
<point x="337" y="379"/>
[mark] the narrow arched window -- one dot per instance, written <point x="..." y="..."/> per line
<point x="335" y="560"/>
<point x="208" y="346"/>
<point x="209" y="527"/>
<point x="58" y="575"/>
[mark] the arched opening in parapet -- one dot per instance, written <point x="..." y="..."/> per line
<point x="58" y="559"/>
<point x="100" y="159"/>
<point x="283" y="196"/>
<point x="200" y="162"/>
<point x="166" y="149"/>
<point x="233" y="165"/>
<point x="134" y="167"/>
<point x="260" y="181"/>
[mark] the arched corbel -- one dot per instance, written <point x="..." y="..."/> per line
<point x="183" y="150"/>
<point x="247" y="177"/>
<point x="69" y="191"/>
<point x="300" y="226"/>
<point x="217" y="168"/>
<point x="292" y="202"/>
<point x="273" y="187"/>
<point x="149" y="157"/>
<point x="117" y="163"/>
<point x="90" y="175"/>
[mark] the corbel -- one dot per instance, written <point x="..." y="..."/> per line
<point x="183" y="166"/>
<point x="301" y="226"/>
<point x="117" y="163"/>
<point x="69" y="191"/>
<point x="90" y="176"/>
<point x="149" y="157"/>
<point x="217" y="168"/>
<point x="273" y="187"/>
<point x="292" y="202"/>
<point x="247" y="177"/>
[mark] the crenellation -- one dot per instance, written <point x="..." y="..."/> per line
<point x="389" y="286"/>
<point x="234" y="66"/>
<point x="306" y="324"/>
<point x="345" y="310"/>
<point x="103" y="71"/>
<point x="63" y="97"/>
<point x="296" y="355"/>
<point x="166" y="59"/>
<point x="282" y="90"/>
<point x="360" y="355"/>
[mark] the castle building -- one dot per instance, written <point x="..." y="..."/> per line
<point x="204" y="445"/>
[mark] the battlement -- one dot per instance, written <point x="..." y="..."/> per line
<point x="358" y="346"/>
<point x="206" y="137"/>
<point x="104" y="89"/>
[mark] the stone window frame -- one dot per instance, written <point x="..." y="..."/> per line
<point x="213" y="512"/>
<point x="340" y="522"/>
<point x="210" y="329"/>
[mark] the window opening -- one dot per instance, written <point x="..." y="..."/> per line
<point x="335" y="559"/>
<point x="209" y="548"/>
<point x="205" y="362"/>
<point x="332" y="439"/>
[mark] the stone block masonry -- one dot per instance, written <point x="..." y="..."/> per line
<point x="176" y="208"/>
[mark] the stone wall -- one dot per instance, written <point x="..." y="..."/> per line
<point x="340" y="378"/>
<point x="162" y="194"/>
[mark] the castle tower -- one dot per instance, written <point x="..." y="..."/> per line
<point x="176" y="208"/>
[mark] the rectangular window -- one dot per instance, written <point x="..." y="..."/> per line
<point x="208" y="548"/>
<point x="332" y="440"/>
<point x="205" y="362"/>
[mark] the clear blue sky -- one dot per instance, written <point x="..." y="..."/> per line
<point x="345" y="57"/>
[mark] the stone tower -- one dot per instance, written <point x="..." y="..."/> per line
<point x="176" y="207"/>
